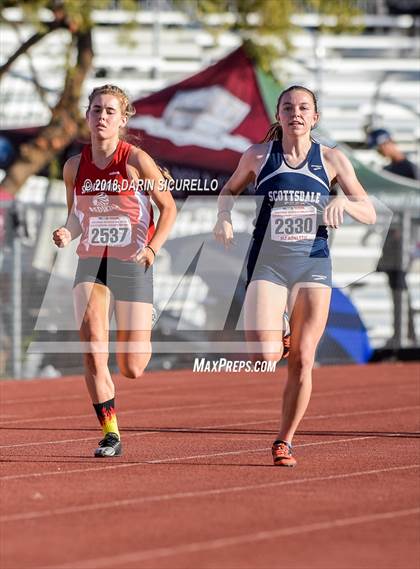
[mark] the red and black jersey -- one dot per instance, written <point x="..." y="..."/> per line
<point x="114" y="211"/>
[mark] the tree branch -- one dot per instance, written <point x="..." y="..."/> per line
<point x="42" y="92"/>
<point x="63" y="127"/>
<point x="35" y="38"/>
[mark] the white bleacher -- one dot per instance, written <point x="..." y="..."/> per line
<point x="352" y="67"/>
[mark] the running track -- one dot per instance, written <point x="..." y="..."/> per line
<point x="196" y="488"/>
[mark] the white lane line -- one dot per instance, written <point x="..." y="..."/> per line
<point x="5" y="424"/>
<point x="153" y="409"/>
<point x="366" y="412"/>
<point x="163" y="461"/>
<point x="148" y="390"/>
<point x="176" y="430"/>
<point x="235" y="439"/>
<point x="140" y="389"/>
<point x="197" y="494"/>
<point x="144" y="391"/>
<point x="214" y="544"/>
<point x="337" y="415"/>
<point x="187" y="430"/>
<point x="249" y="451"/>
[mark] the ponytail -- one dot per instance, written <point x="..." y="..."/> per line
<point x="275" y="132"/>
<point x="165" y="172"/>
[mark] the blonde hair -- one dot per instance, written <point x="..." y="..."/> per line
<point x="165" y="172"/>
<point x="126" y="107"/>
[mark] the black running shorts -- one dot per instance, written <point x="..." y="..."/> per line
<point x="127" y="280"/>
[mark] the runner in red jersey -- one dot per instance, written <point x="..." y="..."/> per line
<point x="113" y="210"/>
<point x="109" y="188"/>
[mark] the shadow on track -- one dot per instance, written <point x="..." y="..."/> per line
<point x="225" y="431"/>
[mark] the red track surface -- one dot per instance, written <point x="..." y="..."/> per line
<point x="196" y="488"/>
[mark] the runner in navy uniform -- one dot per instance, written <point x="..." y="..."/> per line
<point x="289" y="260"/>
<point x="292" y="202"/>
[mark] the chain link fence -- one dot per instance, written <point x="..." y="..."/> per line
<point x="36" y="282"/>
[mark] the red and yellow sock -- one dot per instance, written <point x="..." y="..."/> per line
<point x="107" y="417"/>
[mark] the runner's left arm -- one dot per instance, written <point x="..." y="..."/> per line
<point x="355" y="202"/>
<point x="163" y="199"/>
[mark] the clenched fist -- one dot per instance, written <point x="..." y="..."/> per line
<point x="61" y="237"/>
<point x="223" y="230"/>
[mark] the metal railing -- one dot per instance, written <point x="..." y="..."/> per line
<point x="25" y="279"/>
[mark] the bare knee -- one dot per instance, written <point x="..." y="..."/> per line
<point x="132" y="371"/>
<point x="267" y="350"/>
<point x="96" y="355"/>
<point x="270" y="356"/>
<point x="302" y="359"/>
<point x="133" y="367"/>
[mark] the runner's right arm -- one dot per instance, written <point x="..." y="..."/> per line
<point x="63" y="235"/>
<point x="244" y="174"/>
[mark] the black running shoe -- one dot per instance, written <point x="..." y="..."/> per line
<point x="109" y="446"/>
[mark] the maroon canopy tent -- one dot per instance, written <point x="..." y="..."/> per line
<point x="204" y="123"/>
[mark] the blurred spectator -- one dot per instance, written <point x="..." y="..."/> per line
<point x="400" y="165"/>
<point x="7" y="152"/>
<point x="5" y="340"/>
<point x="398" y="7"/>
<point x="391" y="260"/>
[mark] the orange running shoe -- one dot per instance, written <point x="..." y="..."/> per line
<point x="286" y="337"/>
<point x="282" y="454"/>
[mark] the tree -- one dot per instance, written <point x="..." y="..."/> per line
<point x="65" y="122"/>
<point x="257" y="21"/>
<point x="266" y="25"/>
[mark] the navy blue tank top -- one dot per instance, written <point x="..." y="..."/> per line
<point x="291" y="204"/>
